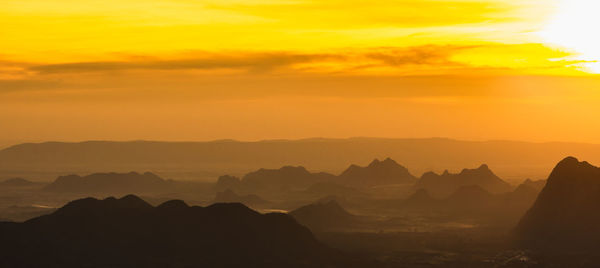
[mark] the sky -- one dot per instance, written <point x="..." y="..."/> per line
<point x="262" y="69"/>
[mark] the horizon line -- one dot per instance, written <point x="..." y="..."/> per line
<point x="292" y="140"/>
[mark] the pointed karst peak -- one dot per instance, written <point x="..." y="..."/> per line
<point x="446" y="172"/>
<point x="484" y="167"/>
<point x="570" y="168"/>
<point x="388" y="162"/>
<point x="569" y="162"/>
<point x="375" y="162"/>
<point x="565" y="211"/>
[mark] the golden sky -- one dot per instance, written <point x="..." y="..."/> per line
<point x="261" y="69"/>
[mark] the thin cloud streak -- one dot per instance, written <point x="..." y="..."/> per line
<point x="431" y="57"/>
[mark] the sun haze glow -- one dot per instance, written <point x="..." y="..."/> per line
<point x="212" y="69"/>
<point x="575" y="27"/>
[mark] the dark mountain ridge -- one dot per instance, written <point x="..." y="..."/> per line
<point x="565" y="213"/>
<point x="129" y="232"/>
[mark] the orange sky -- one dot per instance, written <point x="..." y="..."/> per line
<point x="262" y="69"/>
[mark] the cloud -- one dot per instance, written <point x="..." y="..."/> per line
<point x="421" y="55"/>
<point x="268" y="61"/>
<point x="488" y="59"/>
<point x="425" y="60"/>
<point x="250" y="61"/>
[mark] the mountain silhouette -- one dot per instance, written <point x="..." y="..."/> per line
<point x="325" y="216"/>
<point x="16" y="182"/>
<point x="419" y="200"/>
<point x="229" y="196"/>
<point x="469" y="198"/>
<point x="283" y="179"/>
<point x="206" y="160"/>
<point x="565" y="213"/>
<point x="525" y="191"/>
<point x="517" y="202"/>
<point x="386" y="172"/>
<point x="537" y="185"/>
<point x="228" y="182"/>
<point x="129" y="232"/>
<point x="110" y="183"/>
<point x="447" y="183"/>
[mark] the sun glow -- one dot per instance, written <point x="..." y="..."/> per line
<point x="574" y="27"/>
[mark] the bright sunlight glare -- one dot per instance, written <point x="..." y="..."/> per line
<point x="575" y="27"/>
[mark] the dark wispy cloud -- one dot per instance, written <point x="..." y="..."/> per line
<point x="416" y="60"/>
<point x="266" y="61"/>
<point x="249" y="61"/>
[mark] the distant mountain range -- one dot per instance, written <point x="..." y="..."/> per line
<point x="110" y="183"/>
<point x="473" y="201"/>
<point x="16" y="182"/>
<point x="128" y="232"/>
<point x="537" y="185"/>
<point x="387" y="172"/>
<point x="565" y="214"/>
<point x="208" y="160"/>
<point x="285" y="178"/>
<point x="447" y="183"/>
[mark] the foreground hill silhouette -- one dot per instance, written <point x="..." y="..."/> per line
<point x="207" y="160"/>
<point x="128" y="232"/>
<point x="447" y="183"/>
<point x="110" y="183"/>
<point x="565" y="214"/>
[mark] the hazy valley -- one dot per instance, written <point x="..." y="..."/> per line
<point x="378" y="214"/>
